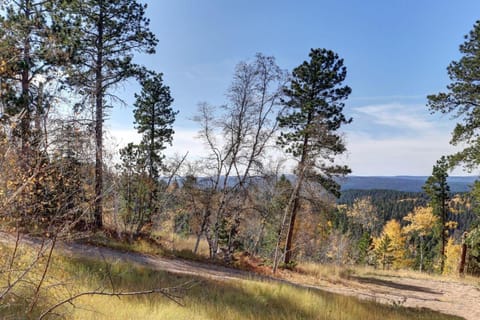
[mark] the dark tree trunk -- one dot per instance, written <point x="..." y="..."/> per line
<point x="25" y="82"/>
<point x="291" y="227"/>
<point x="463" y="256"/>
<point x="296" y="201"/>
<point x="98" y="214"/>
<point x="444" y="230"/>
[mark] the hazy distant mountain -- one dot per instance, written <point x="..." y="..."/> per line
<point x="402" y="183"/>
<point x="398" y="183"/>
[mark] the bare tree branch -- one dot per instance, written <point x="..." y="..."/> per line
<point x="169" y="293"/>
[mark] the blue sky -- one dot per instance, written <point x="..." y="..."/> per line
<point x="396" y="53"/>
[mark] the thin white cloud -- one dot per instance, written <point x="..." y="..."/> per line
<point x="390" y="98"/>
<point x="397" y="116"/>
<point x="416" y="155"/>
<point x="412" y="147"/>
<point x="398" y="139"/>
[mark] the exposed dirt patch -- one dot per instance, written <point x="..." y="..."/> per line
<point x="448" y="297"/>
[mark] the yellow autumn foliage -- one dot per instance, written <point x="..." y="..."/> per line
<point x="396" y="243"/>
<point x="422" y="220"/>
<point x="452" y="257"/>
<point x="451" y="224"/>
<point x="3" y="65"/>
<point x="364" y="213"/>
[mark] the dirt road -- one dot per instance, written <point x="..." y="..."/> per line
<point x="448" y="297"/>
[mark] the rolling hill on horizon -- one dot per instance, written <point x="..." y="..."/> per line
<point x="396" y="183"/>
<point x="402" y="183"/>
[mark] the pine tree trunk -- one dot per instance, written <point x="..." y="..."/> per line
<point x="421" y="253"/>
<point x="288" y="210"/>
<point x="291" y="227"/>
<point x="444" y="230"/>
<point x="98" y="214"/>
<point x="296" y="194"/>
<point x="463" y="256"/>
<point x="25" y="83"/>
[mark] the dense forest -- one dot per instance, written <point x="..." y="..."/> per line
<point x="389" y="205"/>
<point x="392" y="204"/>
<point x="61" y="66"/>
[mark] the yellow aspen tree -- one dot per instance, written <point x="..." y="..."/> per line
<point x="421" y="224"/>
<point x="364" y="212"/>
<point x="452" y="257"/>
<point x="392" y="241"/>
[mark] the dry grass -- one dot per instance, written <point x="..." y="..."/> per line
<point x="242" y="299"/>
<point x="311" y="273"/>
<point x="160" y="244"/>
<point x="316" y="273"/>
<point x="183" y="244"/>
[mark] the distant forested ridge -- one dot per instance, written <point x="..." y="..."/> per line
<point x="402" y="183"/>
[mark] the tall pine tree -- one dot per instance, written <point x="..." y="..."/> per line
<point x="310" y="124"/>
<point x="438" y="190"/>
<point x="463" y="101"/>
<point x="110" y="32"/>
<point x="32" y="48"/>
<point x="154" y="118"/>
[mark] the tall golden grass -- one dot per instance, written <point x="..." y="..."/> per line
<point x="208" y="299"/>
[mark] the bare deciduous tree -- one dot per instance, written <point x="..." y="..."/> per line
<point x="246" y="127"/>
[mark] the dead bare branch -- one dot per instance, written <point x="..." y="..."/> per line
<point x="169" y="293"/>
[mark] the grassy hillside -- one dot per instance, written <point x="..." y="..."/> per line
<point x="203" y="299"/>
